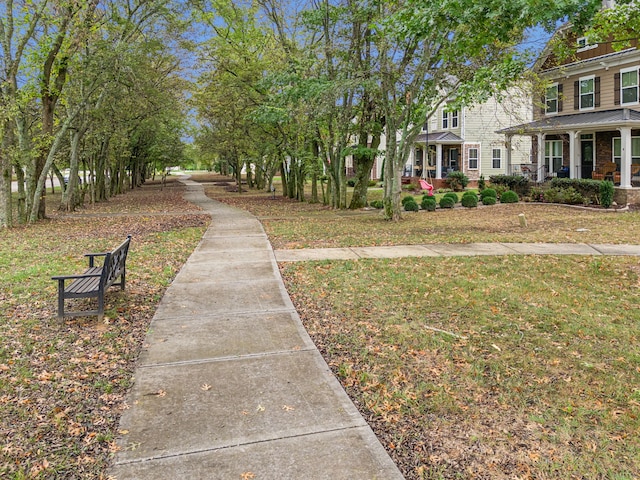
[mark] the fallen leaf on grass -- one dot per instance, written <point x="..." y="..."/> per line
<point x="287" y="408"/>
<point x="247" y="475"/>
<point x="205" y="387"/>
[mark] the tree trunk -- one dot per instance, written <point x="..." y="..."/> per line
<point x="6" y="214"/>
<point x="71" y="193"/>
<point x="392" y="178"/>
<point x="22" y="195"/>
<point x="38" y="195"/>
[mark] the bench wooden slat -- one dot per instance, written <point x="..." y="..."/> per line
<point x="95" y="280"/>
<point x="86" y="285"/>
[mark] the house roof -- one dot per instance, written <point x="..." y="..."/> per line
<point x="438" y="137"/>
<point x="579" y="121"/>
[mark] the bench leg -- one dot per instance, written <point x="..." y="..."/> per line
<point x="100" y="307"/>
<point x="60" y="299"/>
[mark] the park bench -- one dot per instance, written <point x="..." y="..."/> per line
<point x="94" y="282"/>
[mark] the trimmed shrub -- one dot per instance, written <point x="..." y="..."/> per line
<point x="411" y="206"/>
<point x="537" y="194"/>
<point x="376" y="204"/>
<point x="457" y="180"/>
<point x="469" y="201"/>
<point x="408" y="198"/>
<point x="587" y="187"/>
<point x="447" y="202"/>
<point x="489" y="192"/>
<point x="509" y="197"/>
<point x="516" y="183"/>
<point x="606" y="193"/>
<point x="429" y="204"/>
<point x="452" y="195"/>
<point x="489" y="200"/>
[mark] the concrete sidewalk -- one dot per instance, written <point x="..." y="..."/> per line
<point x="453" y="250"/>
<point x="229" y="385"/>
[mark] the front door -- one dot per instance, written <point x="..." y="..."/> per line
<point x="586" y="154"/>
<point x="453" y="159"/>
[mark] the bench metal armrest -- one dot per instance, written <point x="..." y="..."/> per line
<point x="92" y="256"/>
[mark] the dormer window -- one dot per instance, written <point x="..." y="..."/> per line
<point x="583" y="44"/>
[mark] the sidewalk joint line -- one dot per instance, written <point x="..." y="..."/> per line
<point x="243" y="444"/>
<point x="228" y="358"/>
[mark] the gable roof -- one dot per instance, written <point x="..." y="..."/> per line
<point x="606" y="118"/>
<point x="438" y="137"/>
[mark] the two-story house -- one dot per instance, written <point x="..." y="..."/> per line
<point x="466" y="140"/>
<point x="587" y="125"/>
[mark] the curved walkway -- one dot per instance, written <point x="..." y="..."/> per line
<point x="229" y="384"/>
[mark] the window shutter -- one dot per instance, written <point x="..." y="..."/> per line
<point x="596" y="87"/>
<point x="543" y="105"/>
<point x="616" y="89"/>
<point x="576" y="95"/>
<point x="559" y="97"/>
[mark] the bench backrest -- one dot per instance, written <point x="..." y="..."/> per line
<point x="115" y="263"/>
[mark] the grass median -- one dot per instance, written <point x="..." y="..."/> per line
<point x="476" y="367"/>
<point x="62" y="383"/>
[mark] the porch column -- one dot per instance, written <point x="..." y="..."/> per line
<point x="540" y="173"/>
<point x="507" y="144"/>
<point x="625" y="161"/>
<point x="438" y="160"/>
<point x="573" y="138"/>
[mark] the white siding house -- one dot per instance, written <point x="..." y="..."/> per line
<point x="466" y="140"/>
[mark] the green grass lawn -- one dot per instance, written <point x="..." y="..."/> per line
<point x="477" y="367"/>
<point x="62" y="383"/>
<point x="467" y="367"/>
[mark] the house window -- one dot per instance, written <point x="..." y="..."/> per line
<point x="553" y="155"/>
<point x="583" y="44"/>
<point x="629" y="85"/>
<point x="587" y="93"/>
<point x="617" y="150"/>
<point x="454" y="119"/>
<point x="445" y="119"/>
<point x="551" y="99"/>
<point x="473" y="158"/>
<point x="496" y="158"/>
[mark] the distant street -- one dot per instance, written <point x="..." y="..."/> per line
<point x="56" y="182"/>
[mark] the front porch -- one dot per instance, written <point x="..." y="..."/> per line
<point x="598" y="145"/>
<point x="436" y="154"/>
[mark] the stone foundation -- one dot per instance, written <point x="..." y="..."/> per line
<point x="622" y="196"/>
